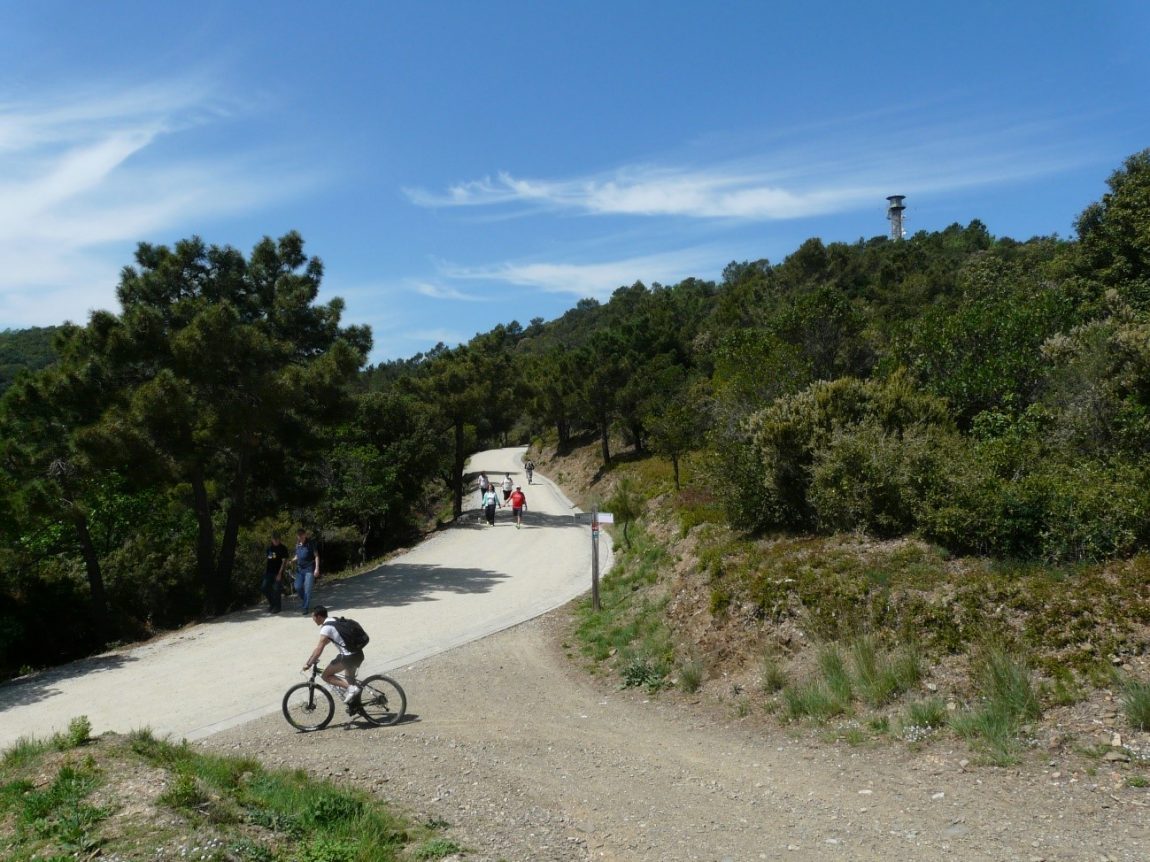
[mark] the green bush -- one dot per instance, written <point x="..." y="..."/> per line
<point x="791" y="436"/>
<point x="869" y="479"/>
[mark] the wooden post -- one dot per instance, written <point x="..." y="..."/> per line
<point x="595" y="558"/>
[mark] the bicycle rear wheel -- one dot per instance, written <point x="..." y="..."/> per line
<point x="382" y="701"/>
<point x="308" y="707"/>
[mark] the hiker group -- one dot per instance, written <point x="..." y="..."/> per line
<point x="513" y="496"/>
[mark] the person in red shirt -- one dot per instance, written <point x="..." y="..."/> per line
<point x="518" y="504"/>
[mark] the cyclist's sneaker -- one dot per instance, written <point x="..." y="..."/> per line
<point x="353" y="692"/>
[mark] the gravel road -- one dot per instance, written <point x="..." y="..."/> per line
<point x="463" y="583"/>
<point x="528" y="759"/>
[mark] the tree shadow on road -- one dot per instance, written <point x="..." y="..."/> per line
<point x="473" y="520"/>
<point x="401" y="584"/>
<point x="42" y="685"/>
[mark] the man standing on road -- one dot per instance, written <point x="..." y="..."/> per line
<point x="347" y="662"/>
<point x="518" y="504"/>
<point x="306" y="568"/>
<point x="272" y="584"/>
<point x="507" y="486"/>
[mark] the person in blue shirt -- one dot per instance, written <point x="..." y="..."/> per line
<point x="306" y="568"/>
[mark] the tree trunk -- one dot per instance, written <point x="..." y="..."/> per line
<point x="95" y="576"/>
<point x="227" y="559"/>
<point x="637" y="437"/>
<point x="365" y="531"/>
<point x="205" y="541"/>
<point x="605" y="443"/>
<point x="675" y="468"/>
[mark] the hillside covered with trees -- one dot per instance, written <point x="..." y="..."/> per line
<point x="987" y="394"/>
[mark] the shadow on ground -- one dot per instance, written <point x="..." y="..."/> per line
<point x="40" y="686"/>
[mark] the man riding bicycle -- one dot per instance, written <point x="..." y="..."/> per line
<point x="348" y="660"/>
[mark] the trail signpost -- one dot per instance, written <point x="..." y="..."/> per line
<point x="597" y="518"/>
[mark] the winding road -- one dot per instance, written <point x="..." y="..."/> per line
<point x="463" y="583"/>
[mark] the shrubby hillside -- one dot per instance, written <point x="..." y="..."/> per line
<point x="985" y="394"/>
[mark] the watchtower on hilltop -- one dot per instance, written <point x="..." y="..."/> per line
<point x="894" y="213"/>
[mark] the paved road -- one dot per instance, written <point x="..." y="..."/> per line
<point x="461" y="584"/>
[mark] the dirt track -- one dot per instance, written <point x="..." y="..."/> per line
<point x="529" y="759"/>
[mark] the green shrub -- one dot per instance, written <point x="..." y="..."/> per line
<point x="79" y="732"/>
<point x="794" y="433"/>
<point x="185" y="793"/>
<point x="867" y="478"/>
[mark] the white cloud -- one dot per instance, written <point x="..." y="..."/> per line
<point x="87" y="175"/>
<point x="832" y="171"/>
<point x="596" y="280"/>
<point x="439" y="291"/>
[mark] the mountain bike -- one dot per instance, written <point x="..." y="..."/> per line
<point x="310" y="706"/>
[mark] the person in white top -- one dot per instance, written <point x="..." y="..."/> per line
<point x="508" y="487"/>
<point x="348" y="661"/>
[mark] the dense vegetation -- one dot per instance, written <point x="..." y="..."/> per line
<point x="987" y="394"/>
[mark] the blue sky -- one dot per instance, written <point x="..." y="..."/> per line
<point x="462" y="164"/>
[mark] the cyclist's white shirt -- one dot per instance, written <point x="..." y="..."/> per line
<point x="330" y="632"/>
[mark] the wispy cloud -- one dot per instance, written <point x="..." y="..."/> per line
<point x="89" y="173"/>
<point x="833" y="171"/>
<point x="440" y="291"/>
<point x="597" y="280"/>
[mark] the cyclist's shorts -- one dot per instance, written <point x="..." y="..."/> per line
<point x="346" y="662"/>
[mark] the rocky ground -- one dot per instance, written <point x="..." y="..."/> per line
<point x="526" y="757"/>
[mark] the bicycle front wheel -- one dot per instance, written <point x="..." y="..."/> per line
<point x="308" y="707"/>
<point x="382" y="701"/>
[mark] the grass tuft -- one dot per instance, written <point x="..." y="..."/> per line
<point x="691" y="675"/>
<point x="1008" y="701"/>
<point x="772" y="676"/>
<point x="1136" y="704"/>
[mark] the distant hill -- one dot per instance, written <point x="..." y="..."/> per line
<point x="25" y="349"/>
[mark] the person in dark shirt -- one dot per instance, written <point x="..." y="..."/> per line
<point x="272" y="584"/>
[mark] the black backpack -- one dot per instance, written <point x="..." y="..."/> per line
<point x="354" y="637"/>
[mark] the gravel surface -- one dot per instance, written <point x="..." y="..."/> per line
<point x="528" y="758"/>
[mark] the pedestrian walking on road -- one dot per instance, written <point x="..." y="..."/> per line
<point x="518" y="504"/>
<point x="490" y="502"/>
<point x="484" y="484"/>
<point x="306" y="568"/>
<point x="508" y="486"/>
